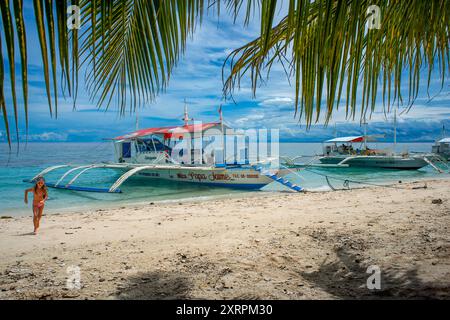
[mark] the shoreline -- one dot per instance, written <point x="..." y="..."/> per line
<point x="314" y="245"/>
<point x="104" y="204"/>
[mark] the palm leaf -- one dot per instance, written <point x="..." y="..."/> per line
<point x="2" y="97"/>
<point x="331" y="49"/>
<point x="39" y="14"/>
<point x="129" y="48"/>
<point x="51" y="37"/>
<point x="125" y="67"/>
<point x="9" y="38"/>
<point x="22" y="39"/>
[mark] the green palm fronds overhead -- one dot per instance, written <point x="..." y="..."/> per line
<point x="332" y="54"/>
<point x="127" y="50"/>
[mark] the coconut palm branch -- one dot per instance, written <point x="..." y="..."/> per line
<point x="127" y="49"/>
<point x="331" y="53"/>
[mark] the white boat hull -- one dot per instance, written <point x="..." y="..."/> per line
<point x="393" y="162"/>
<point x="238" y="177"/>
<point x="244" y="178"/>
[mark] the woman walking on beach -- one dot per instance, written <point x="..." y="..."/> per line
<point x="40" y="195"/>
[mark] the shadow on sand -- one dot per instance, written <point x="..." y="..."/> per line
<point x="155" y="286"/>
<point x="25" y="234"/>
<point x="346" y="278"/>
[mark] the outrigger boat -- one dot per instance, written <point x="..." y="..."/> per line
<point x="152" y="153"/>
<point x="442" y="148"/>
<point x="341" y="152"/>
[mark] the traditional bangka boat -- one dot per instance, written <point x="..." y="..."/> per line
<point x="442" y="148"/>
<point x="154" y="153"/>
<point x="341" y="152"/>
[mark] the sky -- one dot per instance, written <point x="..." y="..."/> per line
<point x="198" y="79"/>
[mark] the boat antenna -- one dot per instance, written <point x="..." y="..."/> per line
<point x="186" y="116"/>
<point x="137" y="119"/>
<point x="365" y="132"/>
<point x="395" y="128"/>
<point x="221" y="129"/>
<point x="220" y="114"/>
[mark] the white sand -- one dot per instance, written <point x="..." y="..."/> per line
<point x="269" y="246"/>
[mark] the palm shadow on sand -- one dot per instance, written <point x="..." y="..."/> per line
<point x="155" y="286"/>
<point x="346" y="278"/>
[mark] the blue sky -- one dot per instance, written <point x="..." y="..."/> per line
<point x="198" y="78"/>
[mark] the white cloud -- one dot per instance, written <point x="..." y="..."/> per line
<point x="198" y="78"/>
<point x="48" y="136"/>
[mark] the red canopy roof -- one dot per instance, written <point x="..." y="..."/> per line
<point x="170" y="132"/>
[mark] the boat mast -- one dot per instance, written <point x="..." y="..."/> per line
<point x="186" y="116"/>
<point x="223" y="133"/>
<point x="395" y="128"/>
<point x="221" y="118"/>
<point x="365" y="132"/>
<point x="137" y="119"/>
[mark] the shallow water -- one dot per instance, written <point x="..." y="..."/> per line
<point x="14" y="168"/>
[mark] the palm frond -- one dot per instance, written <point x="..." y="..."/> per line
<point x="2" y="97"/>
<point x="128" y="49"/>
<point x="22" y="39"/>
<point x="10" y="46"/>
<point x="331" y="49"/>
<point x="39" y="14"/>
<point x="121" y="64"/>
<point x="51" y="36"/>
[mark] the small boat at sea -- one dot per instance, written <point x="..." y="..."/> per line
<point x="155" y="153"/>
<point x="353" y="151"/>
<point x="442" y="148"/>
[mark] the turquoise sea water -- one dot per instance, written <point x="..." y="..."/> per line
<point x="14" y="168"/>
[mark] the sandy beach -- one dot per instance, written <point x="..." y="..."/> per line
<point x="266" y="246"/>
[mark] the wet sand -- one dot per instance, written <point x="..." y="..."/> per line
<point x="266" y="246"/>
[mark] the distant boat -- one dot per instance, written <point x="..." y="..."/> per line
<point x="342" y="152"/>
<point x="442" y="148"/>
<point x="346" y="154"/>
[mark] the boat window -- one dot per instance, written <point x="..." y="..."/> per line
<point x="159" y="146"/>
<point x="152" y="145"/>
<point x="126" y="150"/>
<point x="142" y="146"/>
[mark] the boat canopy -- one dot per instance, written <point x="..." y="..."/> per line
<point x="346" y="139"/>
<point x="172" y="132"/>
<point x="445" y="140"/>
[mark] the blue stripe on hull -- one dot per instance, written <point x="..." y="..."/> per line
<point x="249" y="186"/>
